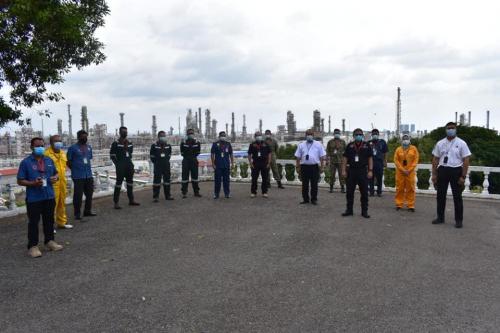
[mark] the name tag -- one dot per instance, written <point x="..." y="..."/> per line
<point x="335" y="151"/>
<point x="222" y="155"/>
<point x="126" y="154"/>
<point x="44" y="182"/>
<point x="356" y="158"/>
<point x="162" y="155"/>
<point x="258" y="154"/>
<point x="85" y="161"/>
<point x="374" y="152"/>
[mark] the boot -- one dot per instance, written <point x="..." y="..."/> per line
<point x="280" y="186"/>
<point x="342" y="188"/>
<point x="331" y="188"/>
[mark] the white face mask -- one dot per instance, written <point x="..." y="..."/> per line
<point x="406" y="143"/>
<point x="258" y="138"/>
<point x="222" y="138"/>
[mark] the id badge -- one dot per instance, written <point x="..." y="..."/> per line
<point x="126" y="154"/>
<point x="44" y="182"/>
<point x="258" y="154"/>
<point x="222" y="155"/>
<point x="335" y="151"/>
<point x="85" y="161"/>
<point x="162" y="155"/>
<point x="374" y="152"/>
<point x="356" y="158"/>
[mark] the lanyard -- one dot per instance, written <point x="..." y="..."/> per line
<point x="84" y="150"/>
<point x="309" y="149"/>
<point x="356" y="148"/>
<point x="41" y="165"/>
<point x="450" y="146"/>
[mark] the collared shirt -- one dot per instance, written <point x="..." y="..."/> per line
<point x="59" y="160"/>
<point x="260" y="152"/>
<point x="379" y="149"/>
<point x="160" y="153"/>
<point x="30" y="169"/>
<point x="358" y="155"/>
<point x="190" y="149"/>
<point x="79" y="157"/>
<point x="456" y="150"/>
<point x="121" y="152"/>
<point x="310" y="153"/>
<point x="335" y="149"/>
<point x="222" y="152"/>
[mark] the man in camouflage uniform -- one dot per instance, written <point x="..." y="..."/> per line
<point x="273" y="144"/>
<point x="335" y="150"/>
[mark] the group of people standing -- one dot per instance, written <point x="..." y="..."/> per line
<point x="359" y="163"/>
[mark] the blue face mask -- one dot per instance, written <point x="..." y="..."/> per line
<point x="309" y="138"/>
<point x="451" y="132"/>
<point x="39" y="151"/>
<point x="375" y="136"/>
<point x="58" y="145"/>
<point x="359" y="137"/>
<point x="337" y="136"/>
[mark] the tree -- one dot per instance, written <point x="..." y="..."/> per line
<point x="40" y="41"/>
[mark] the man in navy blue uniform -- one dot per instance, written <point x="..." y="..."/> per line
<point x="259" y="158"/>
<point x="379" y="151"/>
<point x="190" y="149"/>
<point x="222" y="161"/>
<point x="38" y="172"/>
<point x="160" y="157"/>
<point x="79" y="157"/>
<point x="357" y="169"/>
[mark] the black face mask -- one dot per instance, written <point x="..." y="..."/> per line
<point x="82" y="140"/>
<point x="123" y="135"/>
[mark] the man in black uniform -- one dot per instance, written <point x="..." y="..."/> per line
<point x="190" y="149"/>
<point x="357" y="168"/>
<point x="160" y="157"/>
<point x="259" y="158"/>
<point x="121" y="155"/>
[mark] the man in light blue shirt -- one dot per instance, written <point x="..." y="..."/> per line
<point x="310" y="157"/>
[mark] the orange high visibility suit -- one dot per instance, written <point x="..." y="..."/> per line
<point x="405" y="160"/>
<point x="60" y="187"/>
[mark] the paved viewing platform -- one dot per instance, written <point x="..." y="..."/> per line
<point x="257" y="265"/>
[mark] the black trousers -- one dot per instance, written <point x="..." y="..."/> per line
<point x="378" y="173"/>
<point x="190" y="167"/>
<point x="35" y="210"/>
<point x="161" y="172"/>
<point x="81" y="187"/>
<point x="357" y="177"/>
<point x="124" y="172"/>
<point x="309" y="174"/>
<point x="447" y="175"/>
<point x="264" y="173"/>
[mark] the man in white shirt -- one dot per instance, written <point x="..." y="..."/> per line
<point x="310" y="157"/>
<point x="450" y="165"/>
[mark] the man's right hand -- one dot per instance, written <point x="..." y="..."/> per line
<point x="38" y="182"/>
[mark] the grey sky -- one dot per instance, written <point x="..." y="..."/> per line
<point x="262" y="58"/>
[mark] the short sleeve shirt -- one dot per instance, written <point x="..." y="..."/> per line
<point x="260" y="152"/>
<point x="79" y="157"/>
<point x="379" y="149"/>
<point x="358" y="155"/>
<point x="30" y="169"/>
<point x="456" y="150"/>
<point x="310" y="153"/>
<point x="222" y="152"/>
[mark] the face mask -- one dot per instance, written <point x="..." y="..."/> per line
<point x="190" y="136"/>
<point x="258" y="138"/>
<point x="406" y="143"/>
<point x="375" y="136"/>
<point x="310" y="138"/>
<point x="359" y="137"/>
<point x="123" y="135"/>
<point x="163" y="139"/>
<point x="268" y="136"/>
<point x="451" y="132"/>
<point x="58" y="145"/>
<point x="39" y="151"/>
<point x="83" y="140"/>
<point x="222" y="138"/>
<point x="337" y="136"/>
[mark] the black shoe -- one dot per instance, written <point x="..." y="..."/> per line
<point x="411" y="210"/>
<point x="437" y="221"/>
<point x="347" y="213"/>
<point x="372" y="194"/>
<point x="379" y="195"/>
<point x="314" y="202"/>
<point x="184" y="196"/>
<point x="169" y="198"/>
<point x="342" y="190"/>
<point x="90" y="214"/>
<point x="133" y="203"/>
<point x="304" y="202"/>
<point x="365" y="215"/>
<point x="79" y="218"/>
<point x="459" y="224"/>
<point x="155" y="200"/>
<point x="117" y="206"/>
<point x="281" y="187"/>
<point x="398" y="208"/>
<point x="331" y="191"/>
<point x="198" y="195"/>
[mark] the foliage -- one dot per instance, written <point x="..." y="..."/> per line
<point x="40" y="41"/>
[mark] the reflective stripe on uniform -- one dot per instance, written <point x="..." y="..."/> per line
<point x="130" y="184"/>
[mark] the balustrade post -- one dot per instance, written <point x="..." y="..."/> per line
<point x="238" y="171"/>
<point x="97" y="182"/>
<point x="486" y="182"/>
<point x="283" y="173"/>
<point x="108" y="181"/>
<point x="296" y="176"/>
<point x="467" y="183"/>
<point x="12" y="197"/>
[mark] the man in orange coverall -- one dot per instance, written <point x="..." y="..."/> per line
<point x="406" y="159"/>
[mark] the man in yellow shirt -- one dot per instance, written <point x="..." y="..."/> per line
<point x="55" y="153"/>
<point x="406" y="159"/>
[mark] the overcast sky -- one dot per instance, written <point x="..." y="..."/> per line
<point x="264" y="57"/>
